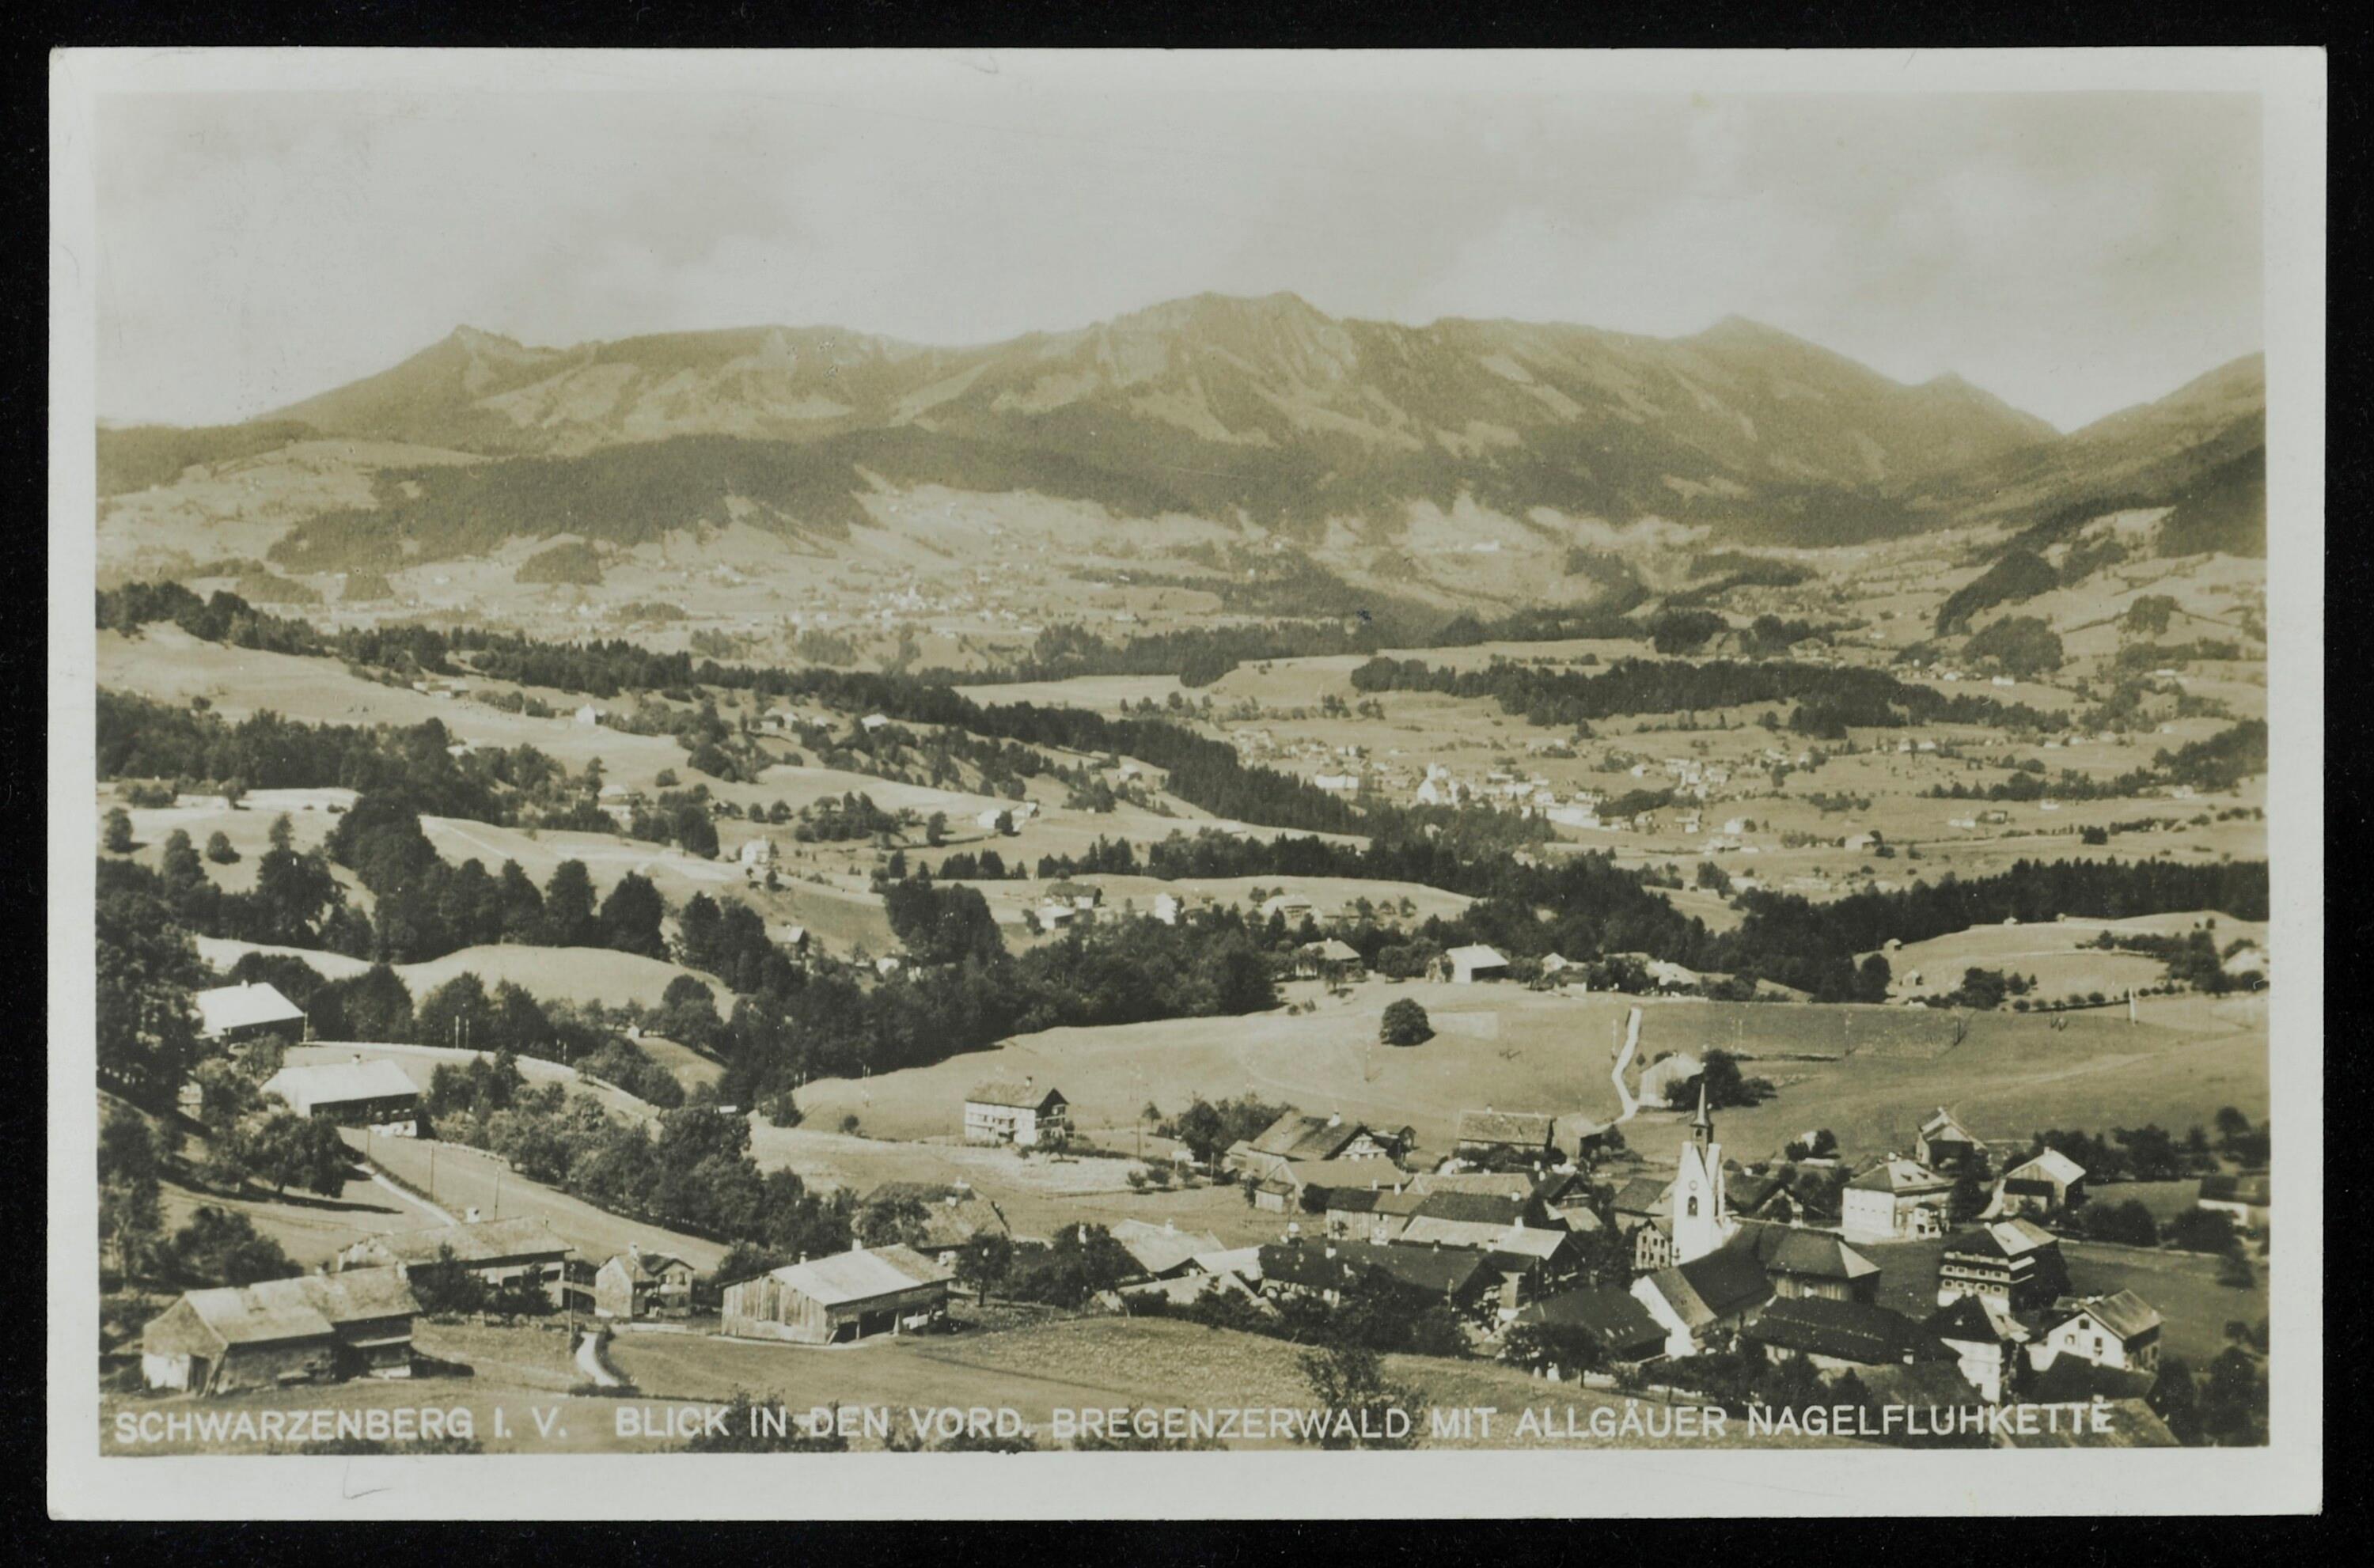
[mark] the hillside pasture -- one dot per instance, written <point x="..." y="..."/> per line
<point x="1073" y="1363"/>
<point x="1868" y="1073"/>
<point x="465" y="1178"/>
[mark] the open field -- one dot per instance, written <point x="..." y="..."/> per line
<point x="1868" y="1073"/>
<point x="310" y="1228"/>
<point x="464" y="1178"/>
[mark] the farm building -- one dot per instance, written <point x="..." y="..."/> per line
<point x="2009" y="1266"/>
<point x="1466" y="966"/>
<point x="1623" y="1329"/>
<point x="1657" y="1079"/>
<point x="1287" y="907"/>
<point x="1840" y="1337"/>
<point x="314" y="1329"/>
<point x="375" y="1094"/>
<point x="2120" y="1330"/>
<point x="1465" y="1219"/>
<point x="590" y="715"/>
<point x="998" y="1111"/>
<point x="1168" y="908"/>
<point x="757" y="852"/>
<point x="1941" y="1143"/>
<point x="1332" y="959"/>
<point x="2046" y="1185"/>
<point x="1643" y="1208"/>
<point x="246" y="1012"/>
<point x="1461" y="1277"/>
<point x="1810" y="1264"/>
<point x="1705" y="1300"/>
<point x="1078" y="894"/>
<point x="1897" y="1200"/>
<point x="497" y="1251"/>
<point x="1164" y="1251"/>
<point x="832" y="1301"/>
<point x="1488" y="1137"/>
<point x="2244" y="1197"/>
<point x="953" y="1217"/>
<point x="635" y="1283"/>
<point x="1295" y="1136"/>
<point x="1988" y="1347"/>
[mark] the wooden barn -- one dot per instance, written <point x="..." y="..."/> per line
<point x="831" y="1301"/>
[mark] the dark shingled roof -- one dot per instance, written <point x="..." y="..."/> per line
<point x="1295" y="1136"/>
<point x="1965" y="1318"/>
<point x="1789" y="1249"/>
<point x="1003" y="1092"/>
<point x="1845" y="1330"/>
<point x="1472" y="1208"/>
<point x="1642" y="1195"/>
<point x="1526" y="1129"/>
<point x="1442" y="1271"/>
<point x="1614" y="1318"/>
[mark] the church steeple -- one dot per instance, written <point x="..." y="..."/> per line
<point x="1702" y="1125"/>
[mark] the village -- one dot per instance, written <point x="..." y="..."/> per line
<point x="1947" y="1273"/>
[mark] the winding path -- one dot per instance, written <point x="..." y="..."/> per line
<point x="589" y="1361"/>
<point x="1624" y="1054"/>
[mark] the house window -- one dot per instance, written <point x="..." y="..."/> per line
<point x="1694" y="1209"/>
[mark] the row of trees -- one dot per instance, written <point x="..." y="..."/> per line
<point x="1565" y="698"/>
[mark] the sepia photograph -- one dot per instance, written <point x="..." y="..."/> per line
<point x="1534" y="784"/>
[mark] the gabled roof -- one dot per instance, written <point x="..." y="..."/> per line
<point x="2006" y="1239"/>
<point x="1900" y="1175"/>
<point x="1160" y="1248"/>
<point x="481" y="1241"/>
<point x="861" y="1275"/>
<point x="306" y="1307"/>
<point x="1942" y="1126"/>
<point x="1446" y="1271"/>
<point x="1845" y="1330"/>
<point x="251" y="1006"/>
<point x="1295" y="1136"/>
<point x="1333" y="950"/>
<point x="2051" y="1165"/>
<point x="2123" y="1313"/>
<point x="340" y="1082"/>
<point x="649" y="1265"/>
<point x="1472" y="1208"/>
<point x="1724" y="1281"/>
<point x="1614" y="1318"/>
<point x="1644" y="1195"/>
<point x="1813" y="1255"/>
<point x="1965" y="1318"/>
<point x="1477" y="956"/>
<point x="1525" y="1129"/>
<point x="1500" y="1184"/>
<point x="1004" y="1091"/>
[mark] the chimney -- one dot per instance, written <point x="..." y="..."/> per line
<point x="357" y="1059"/>
<point x="1169" y="1227"/>
<point x="469" y="1216"/>
<point x="1334" y="1119"/>
<point x="634" y="1249"/>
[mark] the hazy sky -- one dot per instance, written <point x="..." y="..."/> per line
<point x="2073" y="254"/>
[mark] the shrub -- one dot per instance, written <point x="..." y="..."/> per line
<point x="1404" y="1024"/>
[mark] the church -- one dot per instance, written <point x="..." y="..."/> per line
<point x="1700" y="1216"/>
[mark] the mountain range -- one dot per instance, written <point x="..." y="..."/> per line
<point x="1265" y="411"/>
